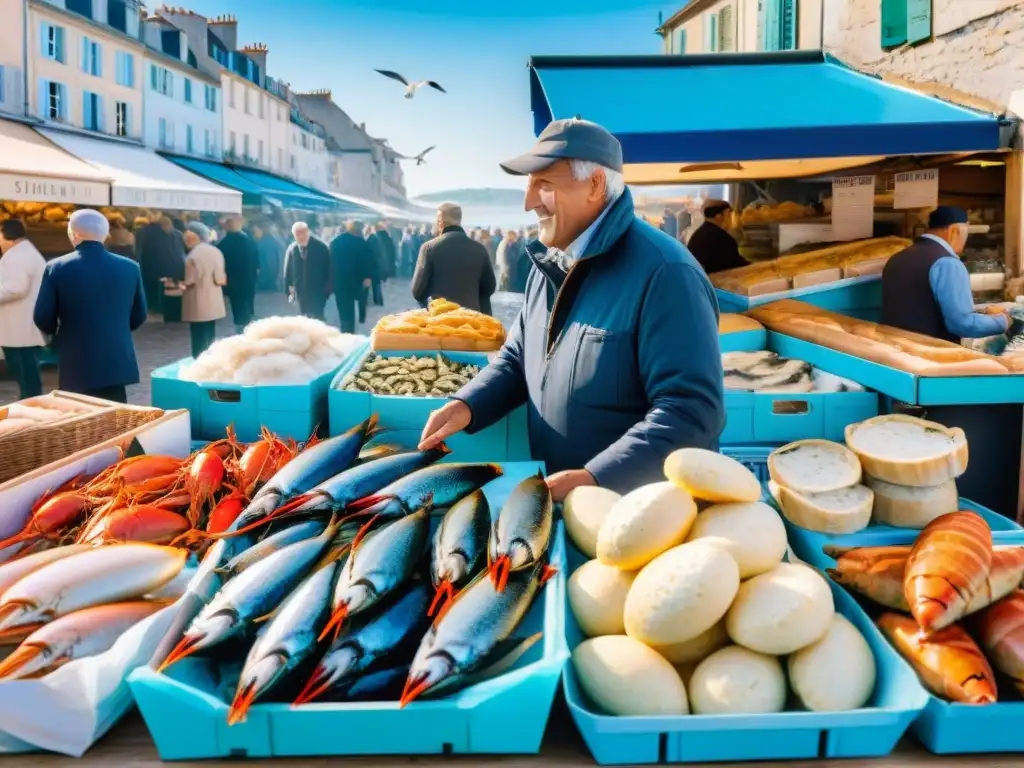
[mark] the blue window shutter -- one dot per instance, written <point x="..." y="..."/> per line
<point x="772" y="31"/>
<point x="894" y="22"/>
<point x="99" y="60"/>
<point x="919" y="20"/>
<point x="101" y="123"/>
<point x="44" y="40"/>
<point x="787" y="24"/>
<point x="59" y="36"/>
<point x="87" y="115"/>
<point x="153" y="77"/>
<point x="682" y="41"/>
<point x="85" y="55"/>
<point x="62" y="91"/>
<point x="44" y="98"/>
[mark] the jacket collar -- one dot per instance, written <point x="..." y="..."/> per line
<point x="89" y="247"/>
<point x="453" y="228"/>
<point x="608" y="229"/>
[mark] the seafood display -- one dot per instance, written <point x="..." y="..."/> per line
<point x="765" y="371"/>
<point x="338" y="589"/>
<point x="691" y="612"/>
<point x="952" y="604"/>
<point x="443" y="325"/>
<point x="418" y="376"/>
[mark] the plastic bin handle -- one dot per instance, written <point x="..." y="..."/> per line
<point x="790" y="407"/>
<point x="225" y="395"/>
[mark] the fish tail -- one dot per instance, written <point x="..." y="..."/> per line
<point x="315" y="687"/>
<point x="442" y="597"/>
<point x="336" y="622"/>
<point x="499" y="572"/>
<point x="415" y="686"/>
<point x="373" y="427"/>
<point x="182" y="650"/>
<point x="20" y="658"/>
<point x="240" y="705"/>
<point x="363" y="504"/>
<point x="546" y="574"/>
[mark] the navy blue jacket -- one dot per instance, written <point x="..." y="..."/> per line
<point x="90" y="301"/>
<point x="628" y="367"/>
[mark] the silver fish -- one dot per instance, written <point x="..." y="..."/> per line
<point x="309" y="468"/>
<point x="522" y="531"/>
<point x="261" y="549"/>
<point x="288" y="641"/>
<point x="378" y="565"/>
<point x="250" y="596"/>
<point x="472" y="634"/>
<point x="434" y="487"/>
<point x="368" y="642"/>
<point x="460" y="547"/>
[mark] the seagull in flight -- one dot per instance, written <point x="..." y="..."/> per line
<point x="410" y="88"/>
<point x="419" y="158"/>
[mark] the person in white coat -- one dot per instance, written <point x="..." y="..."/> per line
<point x="21" y="272"/>
<point x="205" y="278"/>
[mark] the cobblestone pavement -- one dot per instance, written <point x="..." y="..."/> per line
<point x="158" y="343"/>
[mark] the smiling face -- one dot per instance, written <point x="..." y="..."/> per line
<point x="564" y="206"/>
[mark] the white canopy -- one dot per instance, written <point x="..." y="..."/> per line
<point x="141" y="178"/>
<point x="34" y="170"/>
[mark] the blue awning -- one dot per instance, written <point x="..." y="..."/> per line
<point x="719" y="108"/>
<point x="252" y="194"/>
<point x="288" y="192"/>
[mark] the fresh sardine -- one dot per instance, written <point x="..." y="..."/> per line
<point x="15" y="570"/>
<point x="378" y="565"/>
<point x="522" y="531"/>
<point x="369" y="642"/>
<point x="306" y="530"/>
<point x="460" y="547"/>
<point x="288" y="641"/>
<point x="434" y="487"/>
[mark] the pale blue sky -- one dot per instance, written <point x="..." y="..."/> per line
<point x="476" y="49"/>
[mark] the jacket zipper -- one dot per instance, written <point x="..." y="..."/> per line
<point x="552" y="343"/>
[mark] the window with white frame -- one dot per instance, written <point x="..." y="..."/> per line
<point x="280" y="158"/>
<point x="53" y="100"/>
<point x="211" y="98"/>
<point x="248" y="108"/>
<point x="231" y="93"/>
<point x="92" y="57"/>
<point x="233" y="143"/>
<point x="189" y="140"/>
<point x="161" y="80"/>
<point x="122" y="118"/>
<point x="209" y="143"/>
<point x="52" y="38"/>
<point x="263" y="106"/>
<point x="245" y="145"/>
<point x="291" y="162"/>
<point x="92" y="111"/>
<point x="125" y="63"/>
<point x="261" y="150"/>
<point x="188" y="91"/>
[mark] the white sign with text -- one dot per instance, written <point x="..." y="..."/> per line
<point x="853" y="207"/>
<point x="917" y="189"/>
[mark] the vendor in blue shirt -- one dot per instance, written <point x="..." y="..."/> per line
<point x="927" y="289"/>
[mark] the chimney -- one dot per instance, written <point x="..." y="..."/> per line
<point x="258" y="53"/>
<point x="362" y="127"/>
<point x="226" y="28"/>
<point x="320" y="93"/>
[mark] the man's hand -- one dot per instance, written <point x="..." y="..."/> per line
<point x="443" y="423"/>
<point x="561" y="483"/>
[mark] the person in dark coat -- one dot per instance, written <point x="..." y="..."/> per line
<point x="271" y="254"/>
<point x="151" y="249"/>
<point x="353" y="265"/>
<point x="453" y="266"/>
<point x="388" y="254"/>
<point x="91" y="301"/>
<point x="409" y="251"/>
<point x="173" y="269"/>
<point x="375" y="290"/>
<point x="714" y="248"/>
<point x="927" y="289"/>
<point x="307" y="271"/>
<point x="241" y="261"/>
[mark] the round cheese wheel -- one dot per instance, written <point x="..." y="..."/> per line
<point x="752" y="532"/>
<point x="681" y="594"/>
<point x="643" y="524"/>
<point x="781" y="611"/>
<point x="711" y="476"/>
<point x="738" y="681"/>
<point x="597" y="597"/>
<point x="625" y="677"/>
<point x="835" y="673"/>
<point x="697" y="648"/>
<point x="583" y="511"/>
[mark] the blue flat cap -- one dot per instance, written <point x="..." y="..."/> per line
<point x="946" y="216"/>
<point x="571" y="139"/>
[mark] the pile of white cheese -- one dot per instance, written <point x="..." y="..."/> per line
<point x="894" y="470"/>
<point x="696" y="612"/>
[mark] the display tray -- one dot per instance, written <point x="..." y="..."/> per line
<point x="849" y="296"/>
<point x="505" y="715"/>
<point x="743" y="341"/>
<point x="290" y="411"/>
<point x="903" y="386"/>
<point x="767" y="417"/>
<point x="945" y="728"/>
<point x="403" y="416"/>
<point x="872" y="731"/>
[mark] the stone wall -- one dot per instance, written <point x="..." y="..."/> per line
<point x="978" y="46"/>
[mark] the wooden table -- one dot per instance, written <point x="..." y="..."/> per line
<point x="128" y="746"/>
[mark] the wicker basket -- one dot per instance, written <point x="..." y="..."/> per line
<point x="99" y="421"/>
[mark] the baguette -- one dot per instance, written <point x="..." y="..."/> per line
<point x="814" y="466"/>
<point x="908" y="451"/>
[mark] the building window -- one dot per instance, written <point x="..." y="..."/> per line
<point x="280" y="113"/>
<point x="209" y="143"/>
<point x="233" y="143"/>
<point x="188" y="91"/>
<point x="53" y="42"/>
<point x="280" y="158"/>
<point x="679" y="40"/>
<point x="92" y="111"/>
<point x="726" y="30"/>
<point x="122" y="111"/>
<point x="263" y="106"/>
<point x="189" y="146"/>
<point x="245" y="145"/>
<point x="211" y="98"/>
<point x="53" y="100"/>
<point x="261" y="151"/>
<point x="232" y="93"/>
<point x="125" y="69"/>
<point x="92" y="57"/>
<point x="778" y="25"/>
<point x="161" y="80"/>
<point x="711" y="32"/>
<point x="248" y="108"/>
<point x="291" y="162"/>
<point x="165" y="134"/>
<point x="906" y="22"/>
<point x="81" y="7"/>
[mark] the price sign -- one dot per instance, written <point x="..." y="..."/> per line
<point x="853" y="207"/>
<point x="917" y="189"/>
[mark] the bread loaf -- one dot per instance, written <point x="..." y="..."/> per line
<point x="733" y="323"/>
<point x="904" y="506"/>
<point x="903" y="350"/>
<point x="847" y="510"/>
<point x="908" y="451"/>
<point x="814" y="466"/>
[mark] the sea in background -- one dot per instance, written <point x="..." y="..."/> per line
<point x="490" y="217"/>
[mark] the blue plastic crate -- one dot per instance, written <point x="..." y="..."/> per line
<point x="793" y="735"/>
<point x="743" y="341"/>
<point x="753" y="457"/>
<point x="170" y="393"/>
<point x="860" y="295"/>
<point x="404" y="416"/>
<point x="505" y="715"/>
<point x="809" y="545"/>
<point x="946" y="728"/>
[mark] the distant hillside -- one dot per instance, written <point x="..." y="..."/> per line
<point x="491" y="197"/>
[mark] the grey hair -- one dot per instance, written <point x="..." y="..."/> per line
<point x="614" y="181"/>
<point x="451" y="214"/>
<point x="299" y="226"/>
<point x="199" y="229"/>
<point x="89" y="225"/>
